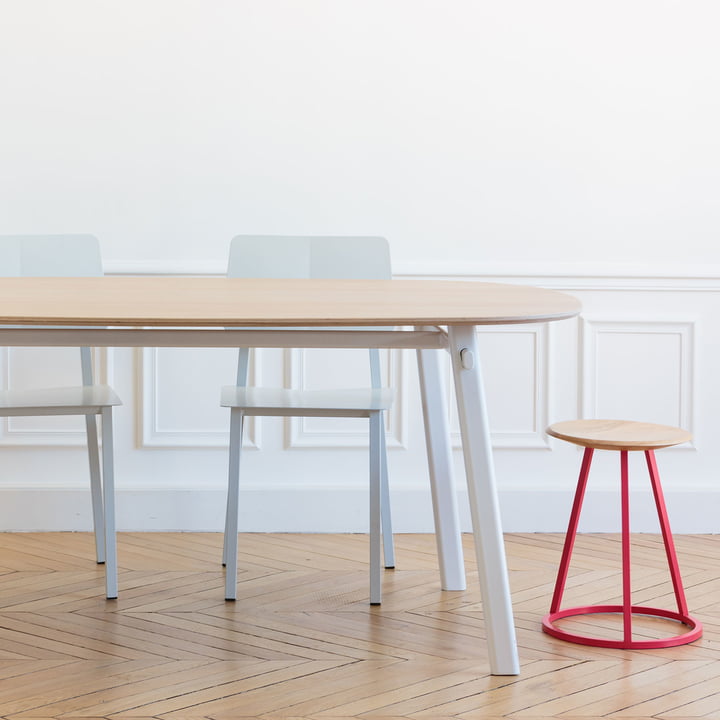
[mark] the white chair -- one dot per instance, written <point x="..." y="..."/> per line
<point x="70" y="256"/>
<point x="311" y="257"/>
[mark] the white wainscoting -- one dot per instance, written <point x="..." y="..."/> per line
<point x="647" y="347"/>
<point x="179" y="393"/>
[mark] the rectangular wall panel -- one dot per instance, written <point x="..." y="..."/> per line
<point x="180" y="397"/>
<point x="330" y="369"/>
<point x="515" y="366"/>
<point x="33" y="367"/>
<point x="638" y="370"/>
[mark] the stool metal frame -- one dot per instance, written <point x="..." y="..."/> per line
<point x="627" y="609"/>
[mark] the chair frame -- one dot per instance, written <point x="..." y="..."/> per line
<point x="101" y="462"/>
<point x="380" y="525"/>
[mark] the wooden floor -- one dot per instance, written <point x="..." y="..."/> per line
<point x="302" y="641"/>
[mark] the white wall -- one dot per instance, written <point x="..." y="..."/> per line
<point x="562" y="143"/>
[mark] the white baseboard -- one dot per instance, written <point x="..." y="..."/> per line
<point x="340" y="510"/>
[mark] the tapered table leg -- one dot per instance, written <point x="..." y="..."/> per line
<point x="482" y="494"/>
<point x="111" y="570"/>
<point x="437" y="442"/>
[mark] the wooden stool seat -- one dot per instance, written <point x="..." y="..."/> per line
<point x="624" y="436"/>
<point x="618" y="434"/>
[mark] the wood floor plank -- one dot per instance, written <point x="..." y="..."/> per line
<point x="216" y="694"/>
<point x="73" y="696"/>
<point x="292" y="632"/>
<point x="34" y="695"/>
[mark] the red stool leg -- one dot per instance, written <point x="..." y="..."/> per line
<point x="571" y="531"/>
<point x="667" y="535"/>
<point x="625" y="511"/>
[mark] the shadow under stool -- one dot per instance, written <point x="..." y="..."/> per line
<point x="623" y="436"/>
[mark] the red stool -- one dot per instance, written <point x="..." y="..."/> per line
<point x="623" y="436"/>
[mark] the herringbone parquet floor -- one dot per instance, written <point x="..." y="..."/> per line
<point x="301" y="642"/>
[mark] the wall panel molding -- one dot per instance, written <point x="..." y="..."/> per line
<point x="160" y="427"/>
<point x="518" y="423"/>
<point x="579" y="275"/>
<point x="337" y="433"/>
<point x="645" y="366"/>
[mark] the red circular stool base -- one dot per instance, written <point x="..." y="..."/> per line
<point x="694" y="632"/>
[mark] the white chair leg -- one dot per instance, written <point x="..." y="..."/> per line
<point x="231" y="525"/>
<point x="242" y="377"/>
<point x="375" y="475"/>
<point x="385" y="512"/>
<point x="225" y="530"/>
<point x="111" y="581"/>
<point x="96" y="487"/>
<point x="440" y="465"/>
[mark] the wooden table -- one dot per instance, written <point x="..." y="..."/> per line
<point x="201" y="312"/>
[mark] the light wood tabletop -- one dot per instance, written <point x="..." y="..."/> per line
<point x="219" y="302"/>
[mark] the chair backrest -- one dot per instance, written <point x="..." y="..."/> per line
<point x="53" y="256"/>
<point x="311" y="257"/>
<point x="279" y="256"/>
<point x="49" y="256"/>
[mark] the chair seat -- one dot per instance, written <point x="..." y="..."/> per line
<point x="282" y="402"/>
<point x="618" y="434"/>
<point x="76" y="400"/>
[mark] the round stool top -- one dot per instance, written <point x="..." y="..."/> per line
<point x="618" y="434"/>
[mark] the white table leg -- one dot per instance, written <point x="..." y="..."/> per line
<point x="230" y="542"/>
<point x="437" y="441"/>
<point x="484" y="508"/>
<point x="108" y="477"/>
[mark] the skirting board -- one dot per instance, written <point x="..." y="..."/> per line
<point x="341" y="510"/>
